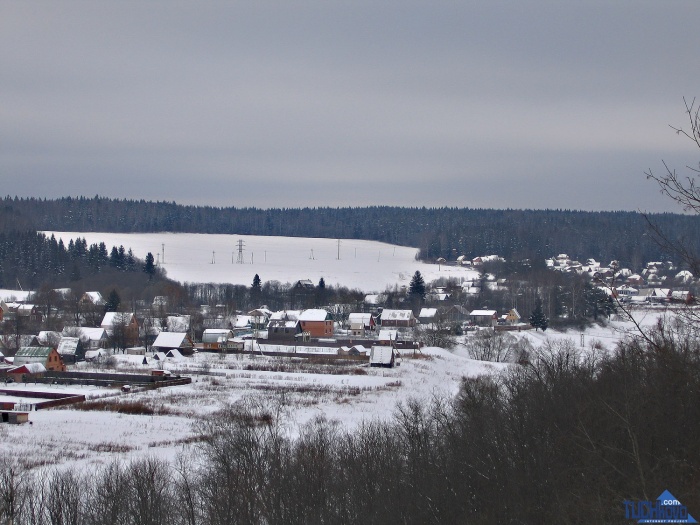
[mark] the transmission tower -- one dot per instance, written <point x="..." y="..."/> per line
<point x="239" y="259"/>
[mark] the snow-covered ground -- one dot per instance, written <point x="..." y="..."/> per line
<point x="367" y="265"/>
<point x="297" y="393"/>
<point x="361" y="394"/>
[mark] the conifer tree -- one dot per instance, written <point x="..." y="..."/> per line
<point x="537" y="318"/>
<point x="417" y="286"/>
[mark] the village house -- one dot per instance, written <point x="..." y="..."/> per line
<point x="682" y="296"/>
<point x="397" y="318"/>
<point x="44" y="355"/>
<point x="316" y="322"/>
<point x="513" y="317"/>
<point x="92" y="298"/>
<point x="283" y="329"/>
<point x="92" y="338"/>
<point x="360" y="323"/>
<point x="173" y="341"/>
<point x="71" y="349"/>
<point x="484" y="317"/>
<point x="428" y="316"/>
<point x="121" y="321"/>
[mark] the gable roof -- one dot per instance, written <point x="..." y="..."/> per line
<point x="427" y="312"/>
<point x="170" y="340"/>
<point x="34" y="351"/>
<point x="111" y="318"/>
<point x="68" y="345"/>
<point x="314" y="314"/>
<point x="483" y="313"/>
<point x="397" y="315"/>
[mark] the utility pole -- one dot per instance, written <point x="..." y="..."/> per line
<point x="239" y="260"/>
<point x="338" y="249"/>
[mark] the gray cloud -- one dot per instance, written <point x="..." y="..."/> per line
<point x="500" y="104"/>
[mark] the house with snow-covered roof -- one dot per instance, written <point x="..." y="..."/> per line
<point x="428" y="315"/>
<point x="173" y="340"/>
<point x="360" y="323"/>
<point x="45" y="355"/>
<point x="317" y="322"/>
<point x="71" y="349"/>
<point x="397" y="318"/>
<point x="93" y="298"/>
<point x="484" y="317"/>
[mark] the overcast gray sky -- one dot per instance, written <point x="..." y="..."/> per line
<point x="521" y="104"/>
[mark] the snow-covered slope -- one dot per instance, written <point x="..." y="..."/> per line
<point x="367" y="265"/>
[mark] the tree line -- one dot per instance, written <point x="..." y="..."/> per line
<point x="437" y="232"/>
<point x="567" y="438"/>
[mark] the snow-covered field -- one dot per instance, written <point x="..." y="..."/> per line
<point x="90" y="438"/>
<point x="367" y="265"/>
<point x="361" y="394"/>
<point x="297" y="395"/>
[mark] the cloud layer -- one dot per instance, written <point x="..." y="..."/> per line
<point x="275" y="104"/>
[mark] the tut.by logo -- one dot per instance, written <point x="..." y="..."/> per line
<point x="666" y="509"/>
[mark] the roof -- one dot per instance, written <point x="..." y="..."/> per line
<point x="111" y="318"/>
<point x="92" y="354"/>
<point x="360" y="318"/>
<point x="427" y="312"/>
<point x="483" y="313"/>
<point x="241" y="321"/>
<point x="68" y="345"/>
<point x="94" y="297"/>
<point x="169" y="339"/>
<point x="89" y="334"/>
<point x="381" y="355"/>
<point x="399" y="315"/>
<point x="375" y="298"/>
<point x="34" y="351"/>
<point x="178" y="323"/>
<point x="30" y="368"/>
<point x="287" y="315"/>
<point x="388" y="335"/>
<point x="215" y="335"/>
<point x="315" y="314"/>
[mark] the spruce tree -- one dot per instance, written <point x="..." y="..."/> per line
<point x="149" y="267"/>
<point x="537" y="318"/>
<point x="255" y="291"/>
<point x="113" y="301"/>
<point x="417" y="286"/>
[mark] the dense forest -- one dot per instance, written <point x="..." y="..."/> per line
<point x="437" y="232"/>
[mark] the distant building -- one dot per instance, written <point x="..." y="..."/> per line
<point x="44" y="355"/>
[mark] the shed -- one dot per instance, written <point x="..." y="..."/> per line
<point x="384" y="356"/>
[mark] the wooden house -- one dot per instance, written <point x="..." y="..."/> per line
<point x="71" y="349"/>
<point x="397" y="318"/>
<point x="44" y="355"/>
<point x="360" y="323"/>
<point x="173" y="340"/>
<point x="121" y="324"/>
<point x="484" y="317"/>
<point x="513" y="317"/>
